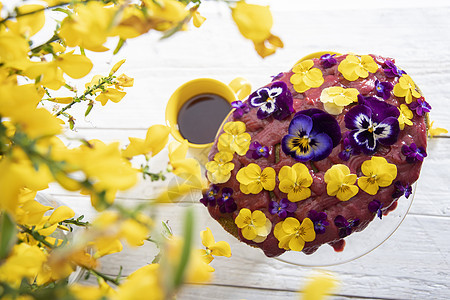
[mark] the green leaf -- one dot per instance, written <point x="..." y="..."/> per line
<point x="8" y="232"/>
<point x="187" y="247"/>
<point x="119" y="46"/>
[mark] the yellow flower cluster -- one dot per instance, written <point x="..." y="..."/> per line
<point x="335" y="98"/>
<point x="292" y="235"/>
<point x="305" y="76"/>
<point x="354" y="67"/>
<point x="254" y="225"/>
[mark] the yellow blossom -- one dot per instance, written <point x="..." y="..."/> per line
<point x="220" y="248"/>
<point x="88" y="292"/>
<point x="30" y="23"/>
<point x="253" y="181"/>
<point x="305" y="76"/>
<point x="335" y="98"/>
<point x="405" y="116"/>
<point x="234" y="139"/>
<point x="340" y="182"/>
<point x="354" y="67"/>
<point x="13" y="50"/>
<point x="123" y="81"/>
<point x="219" y="169"/>
<point x="110" y="94"/>
<point x="292" y="235"/>
<point x="116" y="66"/>
<point x="406" y="88"/>
<point x="254" y="225"/>
<point x="318" y="287"/>
<point x="142" y="283"/>
<point x="295" y="181"/>
<point x="198" y="19"/>
<point x="31" y="212"/>
<point x="378" y="173"/>
<point x="434" y="131"/>
<point x="134" y="232"/>
<point x="37" y="122"/>
<point x="166" y="14"/>
<point x="155" y="140"/>
<point x="49" y="224"/>
<point x="186" y="168"/>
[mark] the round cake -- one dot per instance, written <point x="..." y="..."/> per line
<point x="317" y="153"/>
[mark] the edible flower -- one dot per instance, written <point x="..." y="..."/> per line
<point x="312" y="135"/>
<point x="234" y="139"/>
<point x="375" y="207"/>
<point x="401" y="189"/>
<point x="209" y="198"/>
<point x="282" y="209"/>
<point x="226" y="202"/>
<point x="414" y="153"/>
<point x="405" y="116"/>
<point x="256" y="150"/>
<point x="378" y="173"/>
<point x="240" y="108"/>
<point x="420" y="106"/>
<point x="335" y="98"/>
<point x="295" y="181"/>
<point x="220" y="248"/>
<point x="292" y="235"/>
<point x="383" y="89"/>
<point x="305" y="76"/>
<point x="372" y="122"/>
<point x="319" y="219"/>
<point x="353" y="67"/>
<point x="391" y="70"/>
<point x="406" y="88"/>
<point x="348" y="149"/>
<point x="345" y="226"/>
<point x="328" y="60"/>
<point x="219" y="169"/>
<point x="340" y="182"/>
<point x="275" y="101"/>
<point x="254" y="225"/>
<point x="253" y="181"/>
<point x="433" y="131"/>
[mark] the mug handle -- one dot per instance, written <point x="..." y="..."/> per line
<point x="241" y="87"/>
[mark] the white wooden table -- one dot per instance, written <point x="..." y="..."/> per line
<point x="414" y="263"/>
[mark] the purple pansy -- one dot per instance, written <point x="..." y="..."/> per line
<point x="401" y="189"/>
<point x="420" y="106"/>
<point x="209" y="198"/>
<point x="319" y="219"/>
<point x="240" y="108"/>
<point x="275" y="101"/>
<point x="278" y="76"/>
<point x="383" y="89"/>
<point x="371" y="122"/>
<point x="312" y="135"/>
<point x="226" y="202"/>
<point x="282" y="209"/>
<point x="391" y="70"/>
<point x="328" y="60"/>
<point x="345" y="226"/>
<point x="256" y="150"/>
<point x="414" y="153"/>
<point x="348" y="149"/>
<point x="375" y="207"/>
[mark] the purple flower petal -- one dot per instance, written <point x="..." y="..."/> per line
<point x="413" y="153"/>
<point x="383" y="89"/>
<point x="288" y="205"/>
<point x="319" y="219"/>
<point x="328" y="60"/>
<point x="391" y="70"/>
<point x="387" y="131"/>
<point x="380" y="109"/>
<point x="275" y="100"/>
<point x="420" y="106"/>
<point x="358" y="117"/>
<point x="340" y="221"/>
<point x="375" y="207"/>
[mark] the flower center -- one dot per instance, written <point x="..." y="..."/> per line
<point x="372" y="179"/>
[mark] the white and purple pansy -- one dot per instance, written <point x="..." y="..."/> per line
<point x="275" y="101"/>
<point x="312" y="135"/>
<point x="372" y="122"/>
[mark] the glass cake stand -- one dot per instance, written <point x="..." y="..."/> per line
<point x="358" y="243"/>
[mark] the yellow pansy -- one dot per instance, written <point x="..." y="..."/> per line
<point x="405" y="116"/>
<point x="378" y="173"/>
<point x="433" y="131"/>
<point x="253" y="181"/>
<point x="155" y="140"/>
<point x="305" y="76"/>
<point x="186" y="168"/>
<point x="220" y="248"/>
<point x="354" y="67"/>
<point x="254" y="225"/>
<point x="406" y="88"/>
<point x="295" y="181"/>
<point x="292" y="235"/>
<point x="234" y="139"/>
<point x="335" y="98"/>
<point x="340" y="182"/>
<point x="219" y="169"/>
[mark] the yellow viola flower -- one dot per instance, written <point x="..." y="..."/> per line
<point x="406" y="88"/>
<point x="253" y="181"/>
<point x="335" y="98"/>
<point x="305" y="76"/>
<point x="219" y="169"/>
<point x="254" y="225"/>
<point x="405" y="116"/>
<point x="340" y="182"/>
<point x="155" y="140"/>
<point x="354" y="67"/>
<point x="434" y="131"/>
<point x="234" y="139"/>
<point x="378" y="173"/>
<point x="220" y="248"/>
<point x="295" y="181"/>
<point x="292" y="235"/>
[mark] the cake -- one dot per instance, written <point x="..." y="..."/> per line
<point x="317" y="153"/>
